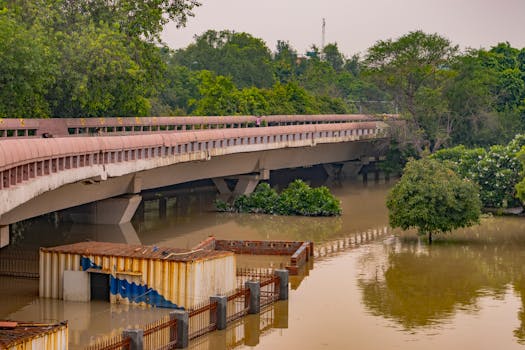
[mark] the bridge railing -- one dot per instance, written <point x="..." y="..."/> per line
<point x="24" y="159"/>
<point x="62" y="127"/>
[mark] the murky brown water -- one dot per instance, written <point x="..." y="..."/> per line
<point x="371" y="289"/>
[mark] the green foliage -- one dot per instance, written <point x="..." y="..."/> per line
<point x="520" y="186"/>
<point x="396" y="158"/>
<point x="99" y="77"/>
<point x="83" y="58"/>
<point x="27" y="69"/>
<point x="432" y="198"/>
<point x="297" y="199"/>
<point x="415" y="70"/>
<point x="496" y="170"/>
<point x="241" y="56"/>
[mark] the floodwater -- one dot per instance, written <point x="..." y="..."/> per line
<point x="368" y="288"/>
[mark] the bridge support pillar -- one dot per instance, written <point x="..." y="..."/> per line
<point x="351" y="169"/>
<point x="4" y="236"/>
<point x="343" y="170"/>
<point x="246" y="184"/>
<point x="222" y="186"/>
<point x="111" y="211"/>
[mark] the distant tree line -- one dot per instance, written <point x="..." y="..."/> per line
<point x="91" y="58"/>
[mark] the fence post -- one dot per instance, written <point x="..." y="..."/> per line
<point x="222" y="301"/>
<point x="183" y="326"/>
<point x="255" y="296"/>
<point x="283" y="283"/>
<point x="173" y="328"/>
<point x="137" y="338"/>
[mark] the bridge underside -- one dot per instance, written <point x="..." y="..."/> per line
<point x="93" y="190"/>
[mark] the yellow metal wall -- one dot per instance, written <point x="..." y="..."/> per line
<point x="56" y="339"/>
<point x="182" y="283"/>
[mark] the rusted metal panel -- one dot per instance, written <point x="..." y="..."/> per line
<point x="31" y="335"/>
<point x="106" y="249"/>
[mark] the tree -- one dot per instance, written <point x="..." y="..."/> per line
<point x="496" y="171"/>
<point x="285" y="62"/>
<point x="244" y="58"/>
<point x="334" y="57"/>
<point x="137" y="19"/>
<point x="415" y="70"/>
<point x="27" y="69"/>
<point x="219" y="95"/>
<point x="102" y="75"/>
<point x="520" y="186"/>
<point x="432" y="198"/>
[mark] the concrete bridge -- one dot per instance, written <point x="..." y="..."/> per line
<point x="50" y="165"/>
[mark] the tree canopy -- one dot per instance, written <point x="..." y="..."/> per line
<point x="432" y="198"/>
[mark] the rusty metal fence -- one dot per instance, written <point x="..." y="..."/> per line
<point x="161" y="334"/>
<point x="18" y="263"/>
<point x="202" y="319"/>
<point x="237" y="304"/>
<point x="269" y="290"/>
<point x="118" y="342"/>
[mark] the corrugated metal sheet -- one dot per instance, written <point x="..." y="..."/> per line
<point x="164" y="277"/>
<point x="30" y="335"/>
<point x="135" y="251"/>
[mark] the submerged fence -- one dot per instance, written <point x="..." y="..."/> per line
<point x="120" y="342"/>
<point x="175" y="330"/>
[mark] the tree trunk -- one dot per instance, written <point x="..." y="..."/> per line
<point x="430" y="238"/>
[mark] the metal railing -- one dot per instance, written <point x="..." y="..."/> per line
<point x="118" y="342"/>
<point x="237" y="304"/>
<point x="202" y="319"/>
<point x="161" y="334"/>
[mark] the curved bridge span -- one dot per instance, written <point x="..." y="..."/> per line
<point x="40" y="175"/>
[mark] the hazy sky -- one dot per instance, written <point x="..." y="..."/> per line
<point x="356" y="25"/>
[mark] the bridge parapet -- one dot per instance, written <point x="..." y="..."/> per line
<point x="62" y="127"/>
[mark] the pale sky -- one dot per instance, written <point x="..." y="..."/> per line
<point x="356" y="25"/>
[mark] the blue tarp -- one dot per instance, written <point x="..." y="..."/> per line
<point x="136" y="293"/>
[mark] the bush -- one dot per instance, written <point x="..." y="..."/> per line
<point x="496" y="170"/>
<point x="297" y="199"/>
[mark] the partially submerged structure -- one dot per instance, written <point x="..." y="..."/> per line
<point x="151" y="275"/>
<point x="299" y="252"/>
<point x="31" y="335"/>
<point x="122" y="273"/>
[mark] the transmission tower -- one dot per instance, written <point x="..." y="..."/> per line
<point x="323" y="34"/>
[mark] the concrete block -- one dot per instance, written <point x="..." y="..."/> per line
<point x="222" y="302"/>
<point x="255" y="296"/>
<point x="283" y="284"/>
<point x="137" y="338"/>
<point x="76" y="286"/>
<point x="183" y="327"/>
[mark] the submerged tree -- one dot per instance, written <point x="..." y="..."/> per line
<point x="432" y="198"/>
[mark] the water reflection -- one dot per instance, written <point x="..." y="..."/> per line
<point x="419" y="286"/>
<point x="247" y="330"/>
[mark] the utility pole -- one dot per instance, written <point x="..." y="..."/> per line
<point x="323" y="37"/>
